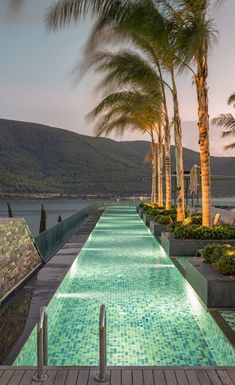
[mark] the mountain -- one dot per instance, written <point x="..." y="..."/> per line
<point x="35" y="158"/>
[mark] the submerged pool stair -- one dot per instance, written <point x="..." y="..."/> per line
<point x="41" y="374"/>
<point x="45" y="375"/>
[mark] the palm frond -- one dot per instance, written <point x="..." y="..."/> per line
<point x="224" y="120"/>
<point x="126" y="69"/>
<point x="66" y="11"/>
<point x="231" y="99"/>
<point x="230" y="146"/>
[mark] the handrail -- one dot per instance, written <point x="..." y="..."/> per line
<point x="102" y="376"/>
<point x="42" y="346"/>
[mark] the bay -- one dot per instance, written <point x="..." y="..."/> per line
<point x="31" y="210"/>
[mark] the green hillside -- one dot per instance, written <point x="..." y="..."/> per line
<point x="37" y="158"/>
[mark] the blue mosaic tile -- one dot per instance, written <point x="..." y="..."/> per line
<point x="153" y="315"/>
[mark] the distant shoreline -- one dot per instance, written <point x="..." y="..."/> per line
<point x="89" y="197"/>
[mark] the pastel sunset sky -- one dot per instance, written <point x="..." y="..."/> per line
<point x="36" y="82"/>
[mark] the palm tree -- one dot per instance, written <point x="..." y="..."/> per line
<point x="228" y="122"/>
<point x="131" y="12"/>
<point x="120" y="32"/>
<point x="133" y="110"/>
<point x="193" y="34"/>
<point x="128" y="69"/>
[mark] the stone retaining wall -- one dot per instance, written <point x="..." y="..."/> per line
<point x="18" y="254"/>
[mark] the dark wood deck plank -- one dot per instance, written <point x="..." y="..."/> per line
<point x="170" y="377"/>
<point x="225" y="378"/>
<point x="159" y="377"/>
<point x="126" y="377"/>
<point x="181" y="377"/>
<point x="148" y="377"/>
<point x="231" y="373"/>
<point x="202" y="377"/>
<point x="137" y="377"/>
<point x="116" y="378"/>
<point x="16" y="378"/>
<point x="122" y="376"/>
<point x="27" y="377"/>
<point x="214" y="377"/>
<point x="5" y="378"/>
<point x="72" y="377"/>
<point x="61" y="377"/>
<point x="83" y="376"/>
<point x="192" y="377"/>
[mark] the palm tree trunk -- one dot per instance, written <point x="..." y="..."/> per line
<point x="154" y="168"/>
<point x="167" y="143"/>
<point x="178" y="152"/>
<point x="159" y="165"/>
<point x="203" y="126"/>
<point x="168" y="165"/>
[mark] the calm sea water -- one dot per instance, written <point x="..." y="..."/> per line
<point x="30" y="210"/>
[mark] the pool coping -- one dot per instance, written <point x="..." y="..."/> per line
<point x="42" y="288"/>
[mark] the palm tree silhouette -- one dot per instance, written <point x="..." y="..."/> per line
<point x="228" y="122"/>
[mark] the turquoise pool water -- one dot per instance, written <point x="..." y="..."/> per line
<point x="154" y="316"/>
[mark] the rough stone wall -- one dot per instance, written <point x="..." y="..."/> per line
<point x="18" y="254"/>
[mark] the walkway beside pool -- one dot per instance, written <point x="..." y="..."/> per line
<point x="20" y="313"/>
<point x="122" y="376"/>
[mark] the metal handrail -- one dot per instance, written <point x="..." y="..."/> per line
<point x="102" y="376"/>
<point x="42" y="346"/>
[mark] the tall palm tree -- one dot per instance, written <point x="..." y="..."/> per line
<point x="124" y="33"/>
<point x="129" y="70"/>
<point x="193" y="33"/>
<point x="228" y="122"/>
<point x="127" y="12"/>
<point x="133" y="110"/>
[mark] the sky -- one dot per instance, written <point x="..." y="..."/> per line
<point x="37" y="82"/>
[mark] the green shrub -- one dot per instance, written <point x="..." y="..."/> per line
<point x="173" y="226"/>
<point x="184" y="231"/>
<point x="196" y="219"/>
<point x="163" y="219"/>
<point x="151" y="211"/>
<point x="226" y="263"/>
<point x="214" y="252"/>
<point x="194" y="231"/>
<point x="141" y="204"/>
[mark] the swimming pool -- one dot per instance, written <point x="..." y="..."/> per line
<point x="154" y="316"/>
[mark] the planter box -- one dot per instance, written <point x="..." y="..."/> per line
<point x="156" y="228"/>
<point x="187" y="247"/>
<point x="215" y="289"/>
<point x="147" y="218"/>
<point x="141" y="212"/>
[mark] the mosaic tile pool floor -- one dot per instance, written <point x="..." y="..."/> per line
<point x="154" y="316"/>
<point x="229" y="316"/>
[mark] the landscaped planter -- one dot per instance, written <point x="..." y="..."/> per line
<point x="214" y="288"/>
<point x="141" y="212"/>
<point x="156" y="228"/>
<point x="147" y="218"/>
<point x="187" y="247"/>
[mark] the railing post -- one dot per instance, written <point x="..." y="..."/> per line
<point x="42" y="346"/>
<point x="102" y="376"/>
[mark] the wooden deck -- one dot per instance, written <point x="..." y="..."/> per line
<point x="122" y="376"/>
